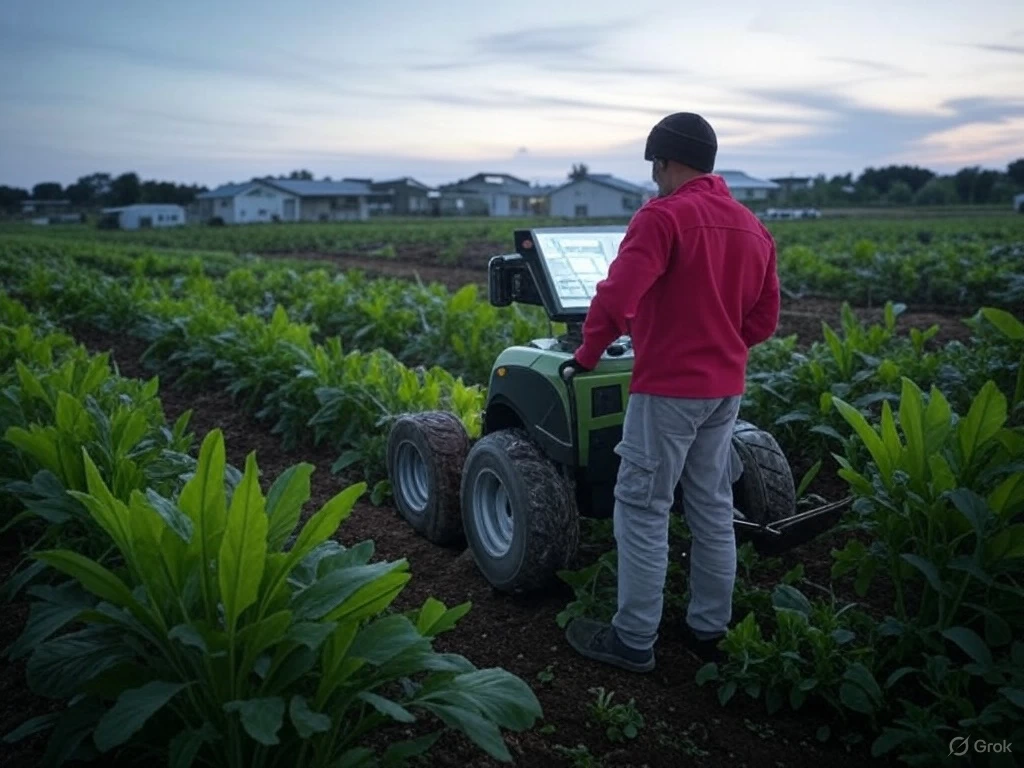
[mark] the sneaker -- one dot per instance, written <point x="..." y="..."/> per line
<point x="600" y="642"/>
<point x="701" y="649"/>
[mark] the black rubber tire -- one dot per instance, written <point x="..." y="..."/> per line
<point x="441" y="442"/>
<point x="545" y="521"/>
<point x="765" y="492"/>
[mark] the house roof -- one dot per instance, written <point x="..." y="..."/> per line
<point x="145" y="206"/>
<point x="487" y="182"/>
<point x="298" y="187"/>
<point x="310" y="188"/>
<point x="407" y="181"/>
<point x="605" y="180"/>
<point x="741" y="180"/>
<point x="226" y="190"/>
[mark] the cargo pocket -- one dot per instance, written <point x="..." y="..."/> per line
<point x="635" y="482"/>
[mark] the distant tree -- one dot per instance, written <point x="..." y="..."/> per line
<point x="974" y="185"/>
<point x="125" y="190"/>
<point x="899" y="193"/>
<point x="47" y="190"/>
<point x="882" y="179"/>
<point x="578" y="172"/>
<point x="1015" y="171"/>
<point x="938" y="191"/>
<point x="12" y="197"/>
<point x="303" y="175"/>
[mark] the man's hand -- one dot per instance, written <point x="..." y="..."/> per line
<point x="570" y="368"/>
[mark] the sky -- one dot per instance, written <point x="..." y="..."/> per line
<point x="213" y="91"/>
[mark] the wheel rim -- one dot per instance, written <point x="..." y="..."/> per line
<point x="412" y="477"/>
<point x="492" y="513"/>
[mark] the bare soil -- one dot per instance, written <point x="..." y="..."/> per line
<point x="683" y="722"/>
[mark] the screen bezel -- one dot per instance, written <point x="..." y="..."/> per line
<point x="528" y="247"/>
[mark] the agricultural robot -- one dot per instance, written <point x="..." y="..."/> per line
<point x="546" y="456"/>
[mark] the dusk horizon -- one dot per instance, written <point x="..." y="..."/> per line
<point x="207" y="96"/>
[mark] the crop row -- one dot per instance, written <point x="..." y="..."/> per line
<point x="928" y="439"/>
<point x="961" y="264"/>
<point x="179" y="614"/>
<point x="789" y="389"/>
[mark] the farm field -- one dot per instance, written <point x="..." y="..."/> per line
<point x="895" y="376"/>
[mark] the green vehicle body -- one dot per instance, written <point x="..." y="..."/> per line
<point x="577" y="424"/>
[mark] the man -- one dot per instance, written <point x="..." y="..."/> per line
<point x="695" y="285"/>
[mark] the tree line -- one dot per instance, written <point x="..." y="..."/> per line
<point x="103" y="190"/>
<point x="913" y="185"/>
<point x="888" y="185"/>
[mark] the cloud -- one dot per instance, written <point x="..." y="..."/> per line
<point x="1013" y="50"/>
<point x="876" y="66"/>
<point x="864" y="135"/>
<point x="253" y="64"/>
<point x="577" y="48"/>
<point x="1017" y="50"/>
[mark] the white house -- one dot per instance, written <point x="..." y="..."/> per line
<point x="596" y="195"/>
<point x="147" y="215"/>
<point x="265" y="200"/>
<point x="745" y="187"/>
<point x="1018" y="203"/>
<point x="489" y="194"/>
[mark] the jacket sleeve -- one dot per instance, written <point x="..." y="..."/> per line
<point x="763" y="318"/>
<point x="642" y="259"/>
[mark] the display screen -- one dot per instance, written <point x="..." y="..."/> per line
<point x="577" y="262"/>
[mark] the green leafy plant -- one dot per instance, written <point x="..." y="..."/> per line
<point x="224" y="639"/>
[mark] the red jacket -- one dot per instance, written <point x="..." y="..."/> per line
<point x="695" y="285"/>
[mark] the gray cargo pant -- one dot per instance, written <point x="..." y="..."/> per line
<point x="664" y="441"/>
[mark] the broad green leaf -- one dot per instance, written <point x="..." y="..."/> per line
<point x="480" y="731"/>
<point x="499" y="695"/>
<point x="890" y="437"/>
<point x="973" y="508"/>
<point x="333" y="658"/>
<point x="387" y="707"/>
<point x="912" y="422"/>
<point x="306" y="721"/>
<point x="930" y="572"/>
<point x="284" y="504"/>
<point x="943" y="479"/>
<point x="1010" y="326"/>
<point x="330" y="592"/>
<point x="176" y="520"/>
<point x="59" y="668"/>
<point x="380" y="641"/>
<point x="256" y="638"/>
<point x="1006" y="545"/>
<point x="31" y="727"/>
<point x="131" y="711"/>
<point x="243" y="548"/>
<point x="399" y="753"/>
<point x="434" y="618"/>
<point x="186" y="745"/>
<point x="790" y="598"/>
<point x="938" y="420"/>
<point x="91" y="575"/>
<point x="983" y="421"/>
<point x="57" y="607"/>
<point x="326" y="521"/>
<point x="1015" y="695"/>
<point x="1007" y="499"/>
<point x="371" y="599"/>
<point x="203" y="500"/>
<point x="868" y="436"/>
<point x="970" y="643"/>
<point x="261" y="718"/>
<point x="311" y="634"/>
